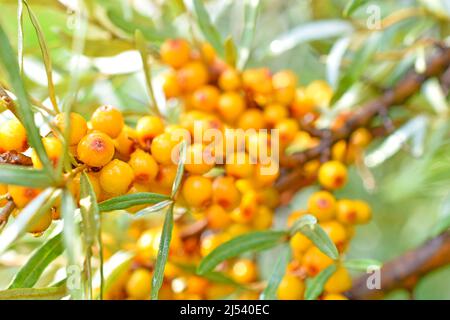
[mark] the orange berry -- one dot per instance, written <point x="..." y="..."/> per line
<point x="339" y="150"/>
<point x="166" y="175"/>
<point x="225" y="193"/>
<point x="320" y="92"/>
<point x="41" y="224"/>
<point x="170" y="85"/>
<point x="208" y="52"/>
<point x="147" y="128"/>
<point x="175" y="52"/>
<point x="346" y="211"/>
<point x="116" y="177"/>
<point x="287" y="130"/>
<point x="124" y="143"/>
<point x="263" y="219"/>
<point x="252" y="119"/>
<point x="209" y="243"/>
<point x="302" y="104"/>
<point x="230" y="80"/>
<point x="13" y="136"/>
<point x="109" y="120"/>
<point x="74" y="185"/>
<point x="192" y="76"/>
<point x="217" y="217"/>
<point x="54" y="149"/>
<point x="231" y="106"/>
<point x="139" y="285"/>
<point x="165" y="149"/>
<point x="238" y="165"/>
<point x="300" y="243"/>
<point x="315" y="261"/>
<point x="205" y="98"/>
<point x="363" y="212"/>
<point x="78" y="126"/>
<point x="336" y="232"/>
<point x="199" y="160"/>
<point x="274" y="113"/>
<point x="244" y="271"/>
<point x="294" y="216"/>
<point x="258" y="80"/>
<point x="197" y="191"/>
<point x="95" y="149"/>
<point x="339" y="282"/>
<point x="22" y="195"/>
<point x="332" y="175"/>
<point x="322" y="204"/>
<point x="284" y="84"/>
<point x="291" y="288"/>
<point x="144" y="166"/>
<point x="334" y="296"/>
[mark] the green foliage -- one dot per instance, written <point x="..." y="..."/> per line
<point x="130" y="200"/>
<point x="314" y="286"/>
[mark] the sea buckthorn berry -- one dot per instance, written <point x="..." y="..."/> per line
<point x="206" y="98"/>
<point x="339" y="150"/>
<point x="287" y="130"/>
<point x="41" y="224"/>
<point x="266" y="174"/>
<point x="231" y="106"/>
<point x="170" y="85"/>
<point x="274" y="113"/>
<point x="225" y="193"/>
<point x="284" y="84"/>
<point x="144" y="166"/>
<point x="363" y="212"/>
<point x="239" y="166"/>
<point x="217" y="217"/>
<point x="3" y="191"/>
<point x="166" y="175"/>
<point x="251" y="119"/>
<point x="291" y="288"/>
<point x="263" y="219"/>
<point x="336" y="232"/>
<point x="74" y="185"/>
<point x="95" y="149"/>
<point x="175" y="52"/>
<point x="294" y="216"/>
<point x="339" y="282"/>
<point x="322" y="204"/>
<point x="258" y="80"/>
<point x="197" y="285"/>
<point x="109" y="120"/>
<point x="139" y="286"/>
<point x="22" y="195"/>
<point x="192" y="76"/>
<point x="230" y="80"/>
<point x="148" y="244"/>
<point x="360" y="138"/>
<point x="116" y="177"/>
<point x="333" y="175"/>
<point x="199" y="160"/>
<point x="302" y="104"/>
<point x="147" y="128"/>
<point x="346" y="211"/>
<point x="78" y="126"/>
<point x="300" y="243"/>
<point x="125" y="143"/>
<point x="315" y="261"/>
<point x="13" y="136"/>
<point x="320" y="92"/>
<point x="244" y="271"/>
<point x="270" y="197"/>
<point x="164" y="148"/>
<point x="197" y="191"/>
<point x="209" y="243"/>
<point x="334" y="296"/>
<point x="53" y="147"/>
<point x="208" y="52"/>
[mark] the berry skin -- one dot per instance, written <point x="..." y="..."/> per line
<point x="284" y="84"/>
<point x="147" y="244"/>
<point x="13" y="136"/>
<point x="274" y="113"/>
<point x="258" y="80"/>
<point x="363" y="212"/>
<point x="244" y="271"/>
<point x="251" y="119"/>
<point x="170" y="85"/>
<point x="95" y="149"/>
<point x="124" y="143"/>
<point x="175" y="52"/>
<point x="320" y="92"/>
<point x="360" y="138"/>
<point x="166" y="175"/>
<point x="22" y="195"/>
<point x="339" y="282"/>
<point x="208" y="52"/>
<point x="322" y="204"/>
<point x="294" y="216"/>
<point x="217" y="217"/>
<point x="205" y="98"/>
<point x="116" y="177"/>
<point x="302" y="104"/>
<point x="238" y="165"/>
<point x="225" y="193"/>
<point x="147" y="128"/>
<point x="333" y="175"/>
<point x="315" y="261"/>
<point x="144" y="166"/>
<point x="346" y="211"/>
<point x="339" y="151"/>
<point x="287" y="130"/>
<point x="53" y="147"/>
<point x="109" y="120"/>
<point x="333" y="296"/>
<point x="197" y="191"/>
<point x="291" y="288"/>
<point x="78" y="126"/>
<point x="164" y="149"/>
<point x="336" y="232"/>
<point x="198" y="159"/>
<point x="3" y="191"/>
<point x="74" y="185"/>
<point x="42" y="224"/>
<point x="263" y="219"/>
<point x="230" y="80"/>
<point x="231" y="105"/>
<point x="192" y="76"/>
<point x="300" y="243"/>
<point x="139" y="286"/>
<point x="209" y="243"/>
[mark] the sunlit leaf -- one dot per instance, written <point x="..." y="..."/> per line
<point x="54" y="293"/>
<point x="230" y="52"/>
<point x="314" y="286"/>
<point x="362" y="264"/>
<point x="130" y="200"/>
<point x="180" y="168"/>
<point x="155" y="208"/>
<point x="352" y="6"/>
<point x="270" y="292"/>
<point x="23" y="176"/>
<point x="206" y="26"/>
<point x="251" y="11"/>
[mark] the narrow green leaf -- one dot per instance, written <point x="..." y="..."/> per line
<point x="20" y="225"/>
<point x="230" y="52"/>
<point x="157" y="207"/>
<point x="30" y="272"/>
<point x="314" y="286"/>
<point x="130" y="200"/>
<point x="209" y="31"/>
<point x="24" y="176"/>
<point x="180" y="168"/>
<point x="45" y="56"/>
<point x="23" y="107"/>
<point x="362" y="264"/>
<point x="213" y="276"/>
<point x="306" y="220"/>
<point x="321" y="240"/>
<point x="20" y="34"/>
<point x="251" y="11"/>
<point x="163" y="253"/>
<point x="54" y="293"/>
<point x="270" y="292"/>
<point x="352" y="6"/>
<point x="250" y="242"/>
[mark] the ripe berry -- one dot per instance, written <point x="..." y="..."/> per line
<point x="166" y="175"/>
<point x="199" y="160"/>
<point x="170" y="85"/>
<point x="339" y="282"/>
<point x="205" y="98"/>
<point x="22" y="195"/>
<point x="303" y="104"/>
<point x="139" y="285"/>
<point x="339" y="150"/>
<point x="320" y="92"/>
<point x="78" y="126"/>
<point x="333" y="296"/>
<point x="274" y="113"/>
<point x="300" y="243"/>
<point x="258" y="80"/>
<point x="217" y="217"/>
<point x="148" y="244"/>
<point x="231" y="105"/>
<point x="175" y="52"/>
<point x="192" y="76"/>
<point x="116" y="177"/>
<point x="109" y="120"/>
<point x="125" y="143"/>
<point x="144" y="166"/>
<point x="225" y="193"/>
<point x="53" y="147"/>
<point x="244" y="271"/>
<point x="287" y="130"/>
<point x="209" y="243"/>
<point x="291" y="288"/>
<point x="238" y="165"/>
<point x="13" y="136"/>
<point x="336" y="232"/>
<point x="41" y="224"/>
<point x="284" y="84"/>
<point x="147" y="128"/>
<point x="346" y="211"/>
<point x="208" y="52"/>
<point x="363" y="212"/>
<point x="230" y="80"/>
<point x="360" y="138"/>
<point x="251" y="119"/>
<point x="197" y="191"/>
<point x="263" y="219"/>
<point x="74" y="185"/>
<point x="322" y="204"/>
<point x="315" y="261"/>
<point x="95" y="149"/>
<point x="164" y="149"/>
<point x="332" y="175"/>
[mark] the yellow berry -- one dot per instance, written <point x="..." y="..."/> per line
<point x="209" y="243"/>
<point x="231" y="105"/>
<point x="164" y="149"/>
<point x="197" y="191"/>
<point x="332" y="175"/>
<point x="315" y="261"/>
<point x="116" y="177"/>
<point x="175" y="52"/>
<point x="54" y="149"/>
<point x="339" y="282"/>
<point x="170" y="85"/>
<point x="287" y="130"/>
<point x="217" y="217"/>
<point x="244" y="271"/>
<point x="251" y="119"/>
<point x="144" y="166"/>
<point x="274" y="113"/>
<point x="225" y="193"/>
<point x="139" y="286"/>
<point x="206" y="98"/>
<point x="334" y="296"/>
<point x="284" y="84"/>
<point x="74" y="185"/>
<point x="41" y="224"/>
<point x="230" y="80"/>
<point x="363" y="212"/>
<point x="199" y="160"/>
<point x="13" y="136"/>
<point x="291" y="288"/>
<point x="239" y="165"/>
<point x="336" y="232"/>
<point x="109" y="120"/>
<point x="320" y="92"/>
<point x="78" y="126"/>
<point x="300" y="243"/>
<point x="22" y="195"/>
<point x="322" y="204"/>
<point x="147" y="128"/>
<point x="95" y="149"/>
<point x="125" y="143"/>
<point x="263" y="219"/>
<point x="192" y="76"/>
<point x="166" y="175"/>
<point x="346" y="211"/>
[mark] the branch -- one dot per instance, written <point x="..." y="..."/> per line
<point x="14" y="157"/>
<point x="404" y="271"/>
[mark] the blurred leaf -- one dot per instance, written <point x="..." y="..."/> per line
<point x="230" y="52"/>
<point x="208" y="29"/>
<point x="361" y="264"/>
<point x="432" y="91"/>
<point x="163" y="253"/>
<point x="54" y="293"/>
<point x="20" y="34"/>
<point x="334" y="60"/>
<point x="314" y="286"/>
<point x="352" y="6"/>
<point x="305" y="220"/>
<point x="99" y="47"/>
<point x="31" y="271"/>
<point x="180" y="168"/>
<point x="213" y="276"/>
<point x="23" y="176"/>
<point x="270" y="292"/>
<point x="251" y="11"/>
<point x="250" y="242"/>
<point x="130" y="200"/>
<point x="157" y="207"/>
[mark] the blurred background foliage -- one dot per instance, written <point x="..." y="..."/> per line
<point x="405" y="177"/>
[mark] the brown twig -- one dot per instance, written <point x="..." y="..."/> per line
<point x="404" y="271"/>
<point x="6" y="212"/>
<point x="14" y="157"/>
